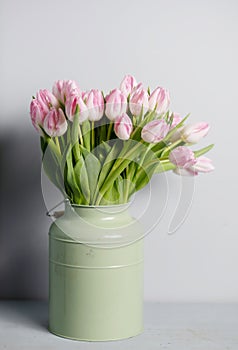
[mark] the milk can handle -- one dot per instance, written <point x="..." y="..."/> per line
<point x="57" y="214"/>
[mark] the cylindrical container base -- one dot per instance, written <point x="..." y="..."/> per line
<point x="96" y="293"/>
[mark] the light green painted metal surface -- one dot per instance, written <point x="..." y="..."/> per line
<point x="96" y="274"/>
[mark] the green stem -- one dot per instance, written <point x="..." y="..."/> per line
<point x="109" y="131"/>
<point x="102" y="129"/>
<point x="92" y="135"/>
<point x="80" y="136"/>
<point x="62" y="142"/>
<point x="171" y="147"/>
<point x="134" y="121"/>
<point x="127" y="185"/>
<point x="139" y="165"/>
<point x="145" y="153"/>
<point x="162" y="166"/>
<point x="57" y="144"/>
<point x="166" y="166"/>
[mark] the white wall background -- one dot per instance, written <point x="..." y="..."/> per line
<point x="189" y="47"/>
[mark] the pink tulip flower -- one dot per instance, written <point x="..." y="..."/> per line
<point x="95" y="103"/>
<point x="55" y="123"/>
<point x="155" y="131"/>
<point x="202" y="165"/>
<point x="47" y="100"/>
<point x="192" y="133"/>
<point x="137" y="87"/>
<point x="123" y="127"/>
<point x="64" y="89"/>
<point x="182" y="157"/>
<point x="75" y="104"/>
<point x="59" y="91"/>
<point x="138" y="101"/>
<point x="116" y="104"/>
<point x="127" y="84"/>
<point x="37" y="113"/>
<point x="159" y="100"/>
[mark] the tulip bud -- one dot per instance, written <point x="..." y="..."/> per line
<point x="55" y="123"/>
<point x="116" y="104"/>
<point x="137" y="87"/>
<point x="38" y="114"/>
<point x="123" y="127"/>
<point x="47" y="100"/>
<point x="203" y="165"/>
<point x="95" y="102"/>
<point x="176" y="133"/>
<point x="176" y="120"/>
<point x="192" y="133"/>
<point x="71" y="88"/>
<point x="155" y="131"/>
<point x="84" y="95"/>
<point x="63" y="89"/>
<point x="58" y="90"/>
<point x="73" y="105"/>
<point x="159" y="100"/>
<point x="182" y="157"/>
<point x="127" y="84"/>
<point x="139" y="101"/>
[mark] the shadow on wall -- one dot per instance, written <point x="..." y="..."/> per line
<point x="24" y="225"/>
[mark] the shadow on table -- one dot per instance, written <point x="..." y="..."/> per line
<point x="31" y="313"/>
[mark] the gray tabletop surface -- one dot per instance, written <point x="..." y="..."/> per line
<point x="23" y="325"/>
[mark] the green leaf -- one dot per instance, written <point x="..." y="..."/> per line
<point x="81" y="178"/>
<point x="43" y="144"/>
<point x="51" y="160"/>
<point x="93" y="167"/>
<point x="102" y="129"/>
<point x="86" y="128"/>
<point x="203" y="150"/>
<point x="101" y="151"/>
<point x="115" y="194"/>
<point x="150" y="168"/>
<point x="54" y="149"/>
<point x="111" y="197"/>
<point x="118" y="167"/>
<point x="50" y="165"/>
<point x="60" y="180"/>
<point x="108" y="163"/>
<point x="75" y="137"/>
<point x="159" y="146"/>
<point x="64" y="157"/>
<point x="71" y="179"/>
<point x="74" y="131"/>
<point x="146" y="154"/>
<point x="145" y="173"/>
<point x="106" y="146"/>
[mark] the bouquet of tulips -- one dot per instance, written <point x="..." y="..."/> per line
<point x="100" y="150"/>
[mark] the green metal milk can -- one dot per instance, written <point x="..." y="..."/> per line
<point x="96" y="274"/>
